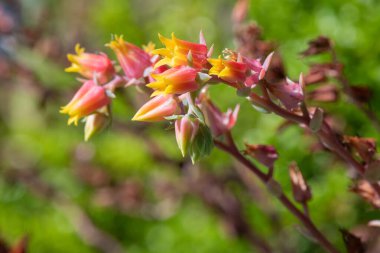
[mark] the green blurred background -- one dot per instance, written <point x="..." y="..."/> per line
<point x="123" y="184"/>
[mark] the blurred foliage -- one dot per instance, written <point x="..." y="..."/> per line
<point x="34" y="136"/>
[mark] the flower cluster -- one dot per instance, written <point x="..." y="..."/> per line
<point x="176" y="77"/>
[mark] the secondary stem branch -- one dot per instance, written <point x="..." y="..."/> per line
<point x="231" y="149"/>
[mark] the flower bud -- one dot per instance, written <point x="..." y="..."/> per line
<point x="132" y="59"/>
<point x="290" y="93"/>
<point x="317" y="46"/>
<point x="365" y="189"/>
<point x="301" y="190"/>
<point x="264" y="154"/>
<point x="185" y="131"/>
<point x="231" y="71"/>
<point x="218" y="122"/>
<point x="177" y="80"/>
<point x="157" y="109"/>
<point x="258" y="70"/>
<point x="95" y="123"/>
<point x="88" y="99"/>
<point x="89" y="65"/>
<point x="365" y="147"/>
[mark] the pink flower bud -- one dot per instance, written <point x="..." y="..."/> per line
<point x="218" y="122"/>
<point x="88" y="99"/>
<point x="177" y="80"/>
<point x="264" y="154"/>
<point x="258" y="70"/>
<point x="301" y="190"/>
<point x="132" y="59"/>
<point x="317" y="46"/>
<point x="89" y="65"/>
<point x="290" y="94"/>
<point x="185" y="131"/>
<point x="157" y="109"/>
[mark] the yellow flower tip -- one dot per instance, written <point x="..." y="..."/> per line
<point x="136" y="118"/>
<point x="64" y="109"/>
<point x="72" y="57"/>
<point x="150" y="47"/>
<point x="79" y="50"/>
<point x="156" y="93"/>
<point x="161" y="37"/>
<point x="72" y="68"/>
<point x="169" y="43"/>
<point x="116" y="42"/>
<point x="73" y="119"/>
<point x="153" y="85"/>
<point x="162" y="62"/>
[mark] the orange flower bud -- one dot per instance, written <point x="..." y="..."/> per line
<point x="230" y="71"/>
<point x="177" y="80"/>
<point x="88" y="99"/>
<point x="157" y="109"/>
<point x="132" y="59"/>
<point x="89" y="65"/>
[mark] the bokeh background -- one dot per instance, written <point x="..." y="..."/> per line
<point x="128" y="190"/>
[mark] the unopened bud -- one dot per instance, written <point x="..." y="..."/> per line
<point x="365" y="147"/>
<point x="95" y="123"/>
<point x="186" y="129"/>
<point x="264" y="154"/>
<point x="365" y="189"/>
<point x="301" y="190"/>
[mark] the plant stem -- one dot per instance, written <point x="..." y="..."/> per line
<point x="326" y="134"/>
<point x="231" y="149"/>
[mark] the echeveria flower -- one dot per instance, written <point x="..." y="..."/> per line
<point x="177" y="80"/>
<point x="89" y="65"/>
<point x="132" y="59"/>
<point x="157" y="109"/>
<point x="181" y="53"/>
<point x="230" y="71"/>
<point x="88" y="99"/>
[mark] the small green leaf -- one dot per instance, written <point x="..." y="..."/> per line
<point x="316" y="120"/>
<point x="173" y="117"/>
<point x="202" y="144"/>
<point x="260" y="109"/>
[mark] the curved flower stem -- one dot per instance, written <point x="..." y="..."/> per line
<point x="231" y="149"/>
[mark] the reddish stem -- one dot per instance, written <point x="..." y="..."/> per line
<point x="326" y="134"/>
<point x="304" y="219"/>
